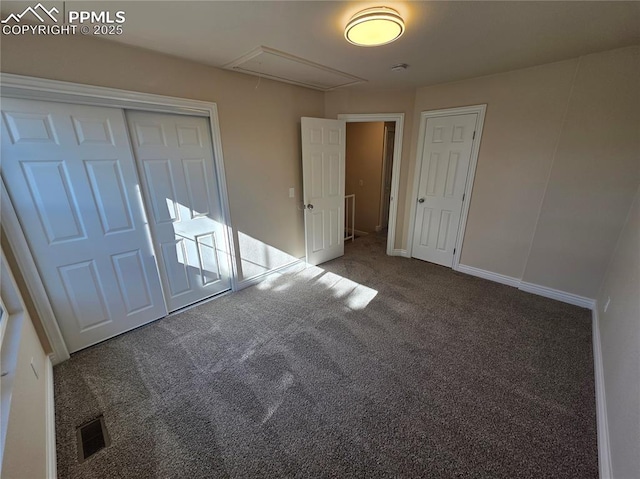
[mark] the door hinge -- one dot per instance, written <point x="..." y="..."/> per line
<point x="454" y="251"/>
<point x="463" y="195"/>
<point x="474" y="136"/>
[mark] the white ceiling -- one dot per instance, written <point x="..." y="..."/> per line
<point x="444" y="41"/>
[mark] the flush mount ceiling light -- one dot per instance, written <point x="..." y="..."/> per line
<point x="374" y="26"/>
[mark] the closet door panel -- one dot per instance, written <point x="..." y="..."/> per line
<point x="71" y="176"/>
<point x="175" y="159"/>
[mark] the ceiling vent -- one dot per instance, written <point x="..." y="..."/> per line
<point x="269" y="63"/>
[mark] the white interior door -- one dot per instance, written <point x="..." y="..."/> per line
<point x="323" y="168"/>
<point x="175" y="159"/>
<point x="445" y="158"/>
<point x="71" y="177"/>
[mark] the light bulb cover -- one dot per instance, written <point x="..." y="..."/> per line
<point x="374" y="26"/>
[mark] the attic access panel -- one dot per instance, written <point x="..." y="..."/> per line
<point x="269" y="63"/>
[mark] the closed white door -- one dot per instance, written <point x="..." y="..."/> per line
<point x="323" y="167"/>
<point x="175" y="160"/>
<point x="71" y="177"/>
<point x="444" y="167"/>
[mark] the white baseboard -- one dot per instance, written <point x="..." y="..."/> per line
<point x="545" y="291"/>
<point x="481" y="273"/>
<point x="360" y="233"/>
<point x="378" y="228"/>
<point x="401" y="252"/>
<point x="51" y="423"/>
<point x="245" y="283"/>
<point x="558" y="295"/>
<point x="604" y="452"/>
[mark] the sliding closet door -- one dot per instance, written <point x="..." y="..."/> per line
<point x="71" y="177"/>
<point x="175" y="160"/>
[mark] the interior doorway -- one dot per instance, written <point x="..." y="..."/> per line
<point x="373" y="153"/>
<point x="364" y="176"/>
<point x="448" y="142"/>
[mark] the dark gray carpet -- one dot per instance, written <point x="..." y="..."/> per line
<point x="369" y="366"/>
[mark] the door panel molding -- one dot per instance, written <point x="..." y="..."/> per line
<point x="190" y="189"/>
<point x="30" y="88"/>
<point x="323" y="170"/>
<point x="35" y="287"/>
<point x="480" y="110"/>
<point x="74" y="253"/>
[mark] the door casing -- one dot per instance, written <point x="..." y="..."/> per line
<point x="30" y="88"/>
<point x="475" y="149"/>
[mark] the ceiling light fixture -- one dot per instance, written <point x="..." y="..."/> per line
<point x="374" y="26"/>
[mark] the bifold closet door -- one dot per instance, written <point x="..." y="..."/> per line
<point x="175" y="162"/>
<point x="72" y="179"/>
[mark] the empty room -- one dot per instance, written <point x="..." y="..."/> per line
<point x="313" y="239"/>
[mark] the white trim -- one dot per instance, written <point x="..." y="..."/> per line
<point x="18" y="86"/>
<point x="383" y="183"/>
<point x="51" y="423"/>
<point x="214" y="125"/>
<point x="491" y="276"/>
<point x="400" y="252"/>
<point x="253" y="280"/>
<point x="557" y="295"/>
<point x="359" y="233"/>
<point x="14" y="316"/>
<point x="398" y="118"/>
<point x="536" y="289"/>
<point x="237" y="66"/>
<point x="604" y="449"/>
<point x="27" y="267"/>
<point x="480" y="110"/>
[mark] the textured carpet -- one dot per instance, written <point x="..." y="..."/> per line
<point x="368" y="366"/>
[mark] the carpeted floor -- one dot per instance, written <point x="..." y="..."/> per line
<point x="368" y="366"/>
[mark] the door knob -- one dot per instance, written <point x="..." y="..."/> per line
<point x="310" y="206"/>
<point x="420" y="200"/>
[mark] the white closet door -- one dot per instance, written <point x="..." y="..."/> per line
<point x="444" y="167"/>
<point x="175" y="158"/>
<point x="71" y="177"/>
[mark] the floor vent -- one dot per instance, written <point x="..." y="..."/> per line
<point x="92" y="437"/>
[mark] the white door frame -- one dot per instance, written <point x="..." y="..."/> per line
<point x="475" y="149"/>
<point x="398" y="118"/>
<point x="386" y="169"/>
<point x="30" y="88"/>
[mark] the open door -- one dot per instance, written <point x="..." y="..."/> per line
<point x="323" y="167"/>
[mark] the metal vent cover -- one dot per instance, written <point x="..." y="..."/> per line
<point x="92" y="437"/>
<point x="276" y="65"/>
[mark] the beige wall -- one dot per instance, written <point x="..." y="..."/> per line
<point x="522" y="124"/>
<point x="22" y="287"/>
<point x="25" y="452"/>
<point x="556" y="169"/>
<point x="379" y="101"/>
<point x="25" y="449"/>
<point x="365" y="142"/>
<point x="594" y="177"/>
<point x="259" y="122"/>
<point x="620" y="345"/>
